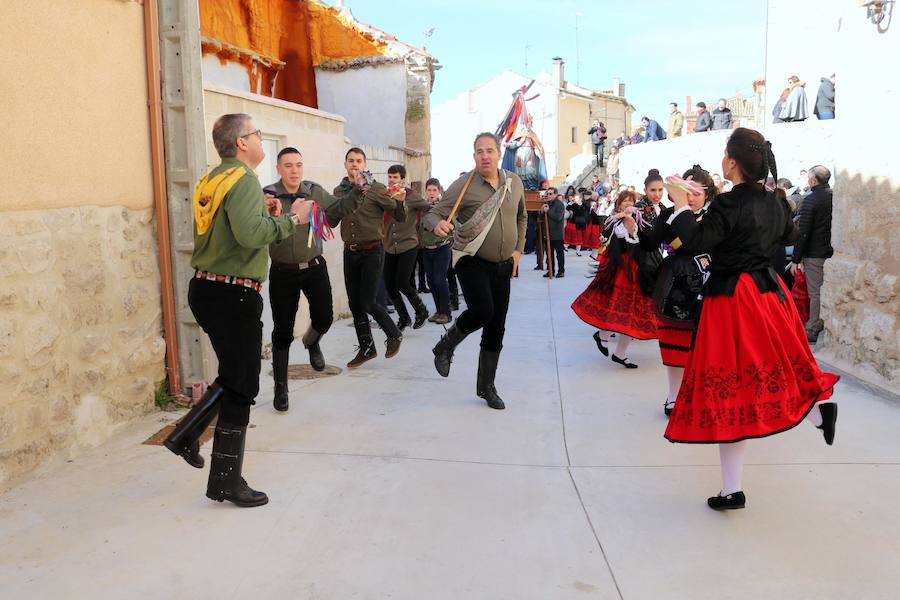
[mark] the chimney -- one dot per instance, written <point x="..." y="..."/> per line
<point x="558" y="76"/>
<point x="689" y="106"/>
<point x="617" y="83"/>
<point x="621" y="90"/>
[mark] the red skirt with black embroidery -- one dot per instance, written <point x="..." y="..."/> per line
<point x="751" y="373"/>
<point x="572" y="236"/>
<point x="623" y="308"/>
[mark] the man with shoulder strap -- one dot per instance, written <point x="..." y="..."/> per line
<point x="298" y="266"/>
<point x="233" y="224"/>
<point x="362" y="233"/>
<point x="489" y="204"/>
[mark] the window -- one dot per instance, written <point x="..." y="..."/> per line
<point x="574" y="135"/>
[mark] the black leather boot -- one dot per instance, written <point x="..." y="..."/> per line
<point x="443" y="350"/>
<point x="225" y="481"/>
<point x="279" y="373"/>
<point x="185" y="439"/>
<point x="421" y="312"/>
<point x="311" y="343"/>
<point x="366" y="350"/>
<point x="403" y="320"/>
<point x="829" y="411"/>
<point x="487" y="371"/>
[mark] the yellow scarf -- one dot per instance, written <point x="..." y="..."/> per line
<point x="208" y="196"/>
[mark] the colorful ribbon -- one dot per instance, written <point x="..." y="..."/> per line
<point x="319" y="229"/>
<point x="688" y="185"/>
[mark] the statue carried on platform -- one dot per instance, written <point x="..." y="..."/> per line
<point x="524" y="154"/>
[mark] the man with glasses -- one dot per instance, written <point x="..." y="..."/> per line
<point x="233" y="225"/>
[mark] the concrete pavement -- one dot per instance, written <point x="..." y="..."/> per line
<point x="391" y="482"/>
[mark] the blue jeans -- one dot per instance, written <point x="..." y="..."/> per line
<point x="826" y="115"/>
<point x="437" y="263"/>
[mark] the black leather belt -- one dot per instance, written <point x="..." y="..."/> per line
<point x="296" y="267"/>
<point x="362" y="246"/>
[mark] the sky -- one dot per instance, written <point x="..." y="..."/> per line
<point x="662" y="51"/>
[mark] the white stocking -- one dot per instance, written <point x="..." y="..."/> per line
<point x="622" y="343"/>
<point x="604" y="335"/>
<point x="815" y="416"/>
<point x="674" y="374"/>
<point x="731" y="457"/>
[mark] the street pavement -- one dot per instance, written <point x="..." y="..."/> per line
<point x="391" y="482"/>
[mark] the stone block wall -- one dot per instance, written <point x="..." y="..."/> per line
<point x="81" y="344"/>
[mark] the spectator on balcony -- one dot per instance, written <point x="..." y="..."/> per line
<point x="676" y="121"/>
<point x="638" y="136"/>
<point x="824" y="108"/>
<point x="795" y="108"/>
<point x="704" y="121"/>
<point x="654" y="132"/>
<point x="721" y="116"/>
<point x="598" y="140"/>
<point x="612" y="166"/>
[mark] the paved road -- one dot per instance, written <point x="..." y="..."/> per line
<point x="390" y="482"/>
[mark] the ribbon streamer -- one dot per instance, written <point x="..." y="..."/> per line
<point x="319" y="229"/>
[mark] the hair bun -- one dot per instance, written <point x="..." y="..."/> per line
<point x="653" y="173"/>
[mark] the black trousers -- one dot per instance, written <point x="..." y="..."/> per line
<point x="231" y="316"/>
<point x="559" y="250"/>
<point x="486" y="287"/>
<point x="398" y="270"/>
<point x="362" y="272"/>
<point x="285" y="287"/>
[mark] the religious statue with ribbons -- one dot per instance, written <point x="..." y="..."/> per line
<point x="524" y="154"/>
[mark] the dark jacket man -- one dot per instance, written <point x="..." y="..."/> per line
<point x="721" y="118"/>
<point x="815" y="225"/>
<point x="704" y="121"/>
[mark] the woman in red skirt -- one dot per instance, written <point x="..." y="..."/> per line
<point x="613" y="301"/>
<point x="678" y="284"/>
<point x="751" y="373"/>
<point x="580" y="211"/>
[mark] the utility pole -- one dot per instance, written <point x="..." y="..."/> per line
<point x="577" y="53"/>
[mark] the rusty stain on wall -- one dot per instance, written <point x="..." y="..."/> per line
<point x="280" y="42"/>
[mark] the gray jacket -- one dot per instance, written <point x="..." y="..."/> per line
<point x="721" y="118"/>
<point x="825" y="97"/>
<point x="704" y="122"/>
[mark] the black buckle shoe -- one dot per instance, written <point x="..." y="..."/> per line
<point x="623" y="361"/>
<point x="668" y="406"/>
<point x="829" y="411"/>
<point x="733" y="501"/>
<point x="601" y="345"/>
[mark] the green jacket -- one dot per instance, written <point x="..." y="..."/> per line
<point x="241" y="229"/>
<point x="402" y="236"/>
<point x="427" y="237"/>
<point x="296" y="249"/>
<point x="366" y="224"/>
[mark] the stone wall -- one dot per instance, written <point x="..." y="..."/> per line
<point x="861" y="297"/>
<point x="81" y="345"/>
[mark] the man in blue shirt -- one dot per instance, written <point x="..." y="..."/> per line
<point x="653" y="132"/>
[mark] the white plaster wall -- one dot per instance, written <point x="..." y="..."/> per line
<point x="796" y="146"/>
<point x="802" y="41"/>
<point x="372" y="99"/>
<point x="456" y="122"/>
<point x="230" y="75"/>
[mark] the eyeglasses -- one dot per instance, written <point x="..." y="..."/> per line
<point x="257" y="133"/>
